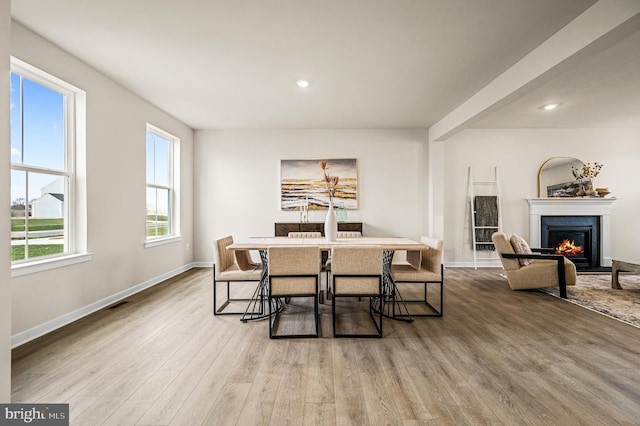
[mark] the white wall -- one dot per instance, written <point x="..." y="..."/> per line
<point x="5" y="274"/>
<point x="237" y="180"/>
<point x="518" y="155"/>
<point x="115" y="163"/>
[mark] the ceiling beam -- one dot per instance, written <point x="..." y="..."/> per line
<point x="606" y="22"/>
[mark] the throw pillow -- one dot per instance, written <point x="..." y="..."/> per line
<point x="520" y="246"/>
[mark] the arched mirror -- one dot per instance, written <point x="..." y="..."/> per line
<point x="555" y="178"/>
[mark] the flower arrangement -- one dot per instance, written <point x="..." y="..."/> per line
<point x="587" y="171"/>
<point x="330" y="181"/>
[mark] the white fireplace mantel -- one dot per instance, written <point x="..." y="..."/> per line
<point x="579" y="206"/>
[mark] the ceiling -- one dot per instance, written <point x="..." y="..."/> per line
<point x="217" y="64"/>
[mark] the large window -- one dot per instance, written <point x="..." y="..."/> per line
<point x="42" y="165"/>
<point x="162" y="184"/>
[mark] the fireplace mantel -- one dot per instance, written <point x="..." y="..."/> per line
<point x="578" y="206"/>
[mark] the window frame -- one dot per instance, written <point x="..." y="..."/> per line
<point x="173" y="187"/>
<point x="74" y="138"/>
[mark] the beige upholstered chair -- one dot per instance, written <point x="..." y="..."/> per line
<point x="422" y="267"/>
<point x="293" y="272"/>
<point x="327" y="264"/>
<point x="357" y="272"/>
<point x="231" y="267"/>
<point x="527" y="270"/>
<point x="305" y="234"/>
<point x="244" y="260"/>
<point x="349" y="234"/>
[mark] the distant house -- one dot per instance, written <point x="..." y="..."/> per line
<point x="51" y="202"/>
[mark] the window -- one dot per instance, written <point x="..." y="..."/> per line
<point x="162" y="184"/>
<point x="43" y="138"/>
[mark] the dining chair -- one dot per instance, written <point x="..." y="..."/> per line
<point x="422" y="268"/>
<point x="312" y="234"/>
<point x="349" y="234"/>
<point x="230" y="267"/>
<point x="293" y="273"/>
<point x="244" y="260"/>
<point x="356" y="273"/>
<point x="327" y="264"/>
<point x="304" y="234"/>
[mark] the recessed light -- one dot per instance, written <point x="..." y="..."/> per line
<point x="550" y="107"/>
<point x="302" y="83"/>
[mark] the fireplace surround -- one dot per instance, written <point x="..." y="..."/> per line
<point x="595" y="210"/>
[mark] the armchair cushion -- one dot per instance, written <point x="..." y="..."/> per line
<point x="520" y="246"/>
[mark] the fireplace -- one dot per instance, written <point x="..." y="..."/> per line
<point x="576" y="237"/>
<point x="597" y="245"/>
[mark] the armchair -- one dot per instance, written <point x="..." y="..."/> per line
<point x="528" y="270"/>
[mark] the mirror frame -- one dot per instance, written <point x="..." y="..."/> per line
<point x="540" y="190"/>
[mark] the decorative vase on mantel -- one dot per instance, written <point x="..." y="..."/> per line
<point x="586" y="189"/>
<point x="331" y="224"/>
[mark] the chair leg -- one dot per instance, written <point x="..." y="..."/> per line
<point x="220" y="310"/>
<point x="328" y="287"/>
<point x="377" y="325"/>
<point x="274" y="317"/>
<point x="214" y="289"/>
<point x="437" y="311"/>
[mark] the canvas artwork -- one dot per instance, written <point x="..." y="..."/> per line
<point x="302" y="181"/>
<point x="567" y="189"/>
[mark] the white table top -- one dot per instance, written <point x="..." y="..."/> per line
<point x="388" y="243"/>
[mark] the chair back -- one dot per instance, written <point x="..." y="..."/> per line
<point x="502" y="244"/>
<point x="430" y="258"/>
<point x="223" y="257"/>
<point x="305" y="234"/>
<point x="356" y="269"/>
<point x="294" y="270"/>
<point x="349" y="234"/>
<point x="244" y="261"/>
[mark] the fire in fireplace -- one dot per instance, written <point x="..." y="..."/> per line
<point x="570" y="248"/>
<point x="576" y="237"/>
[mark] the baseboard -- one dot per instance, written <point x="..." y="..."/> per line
<point x="49" y="326"/>
<point x="203" y="264"/>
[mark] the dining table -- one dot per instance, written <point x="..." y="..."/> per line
<point x="391" y="304"/>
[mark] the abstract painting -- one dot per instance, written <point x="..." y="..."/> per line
<point x="302" y="183"/>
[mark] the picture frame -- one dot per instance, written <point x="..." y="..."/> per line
<point x="302" y="184"/>
<point x="566" y="189"/>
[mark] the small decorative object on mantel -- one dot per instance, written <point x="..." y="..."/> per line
<point x="603" y="192"/>
<point x="585" y="176"/>
<point x="331" y="222"/>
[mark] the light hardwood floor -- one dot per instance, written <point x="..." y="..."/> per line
<point x="496" y="357"/>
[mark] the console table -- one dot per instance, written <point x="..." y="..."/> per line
<point x="282" y="229"/>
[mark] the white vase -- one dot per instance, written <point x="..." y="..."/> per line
<point x="331" y="224"/>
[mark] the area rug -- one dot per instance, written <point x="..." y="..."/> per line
<point x="594" y="292"/>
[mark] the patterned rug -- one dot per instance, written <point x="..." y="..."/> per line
<point x="594" y="292"/>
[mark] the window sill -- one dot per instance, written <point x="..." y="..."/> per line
<point x="46" y="264"/>
<point x="162" y="241"/>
